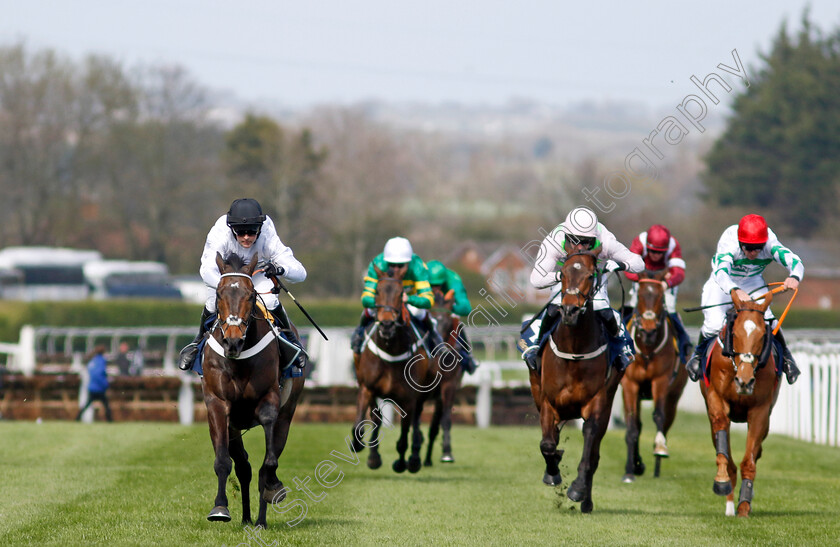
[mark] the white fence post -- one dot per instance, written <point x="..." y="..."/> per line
<point x="84" y="376"/>
<point x="483" y="400"/>
<point x="186" y="407"/>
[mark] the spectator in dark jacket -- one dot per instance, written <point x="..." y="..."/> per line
<point x="98" y="383"/>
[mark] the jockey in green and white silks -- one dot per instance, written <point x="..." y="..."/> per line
<point x="581" y="231"/>
<point x="398" y="252"/>
<point x="448" y="280"/>
<point x="743" y="252"/>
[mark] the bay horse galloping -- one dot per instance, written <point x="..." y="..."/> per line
<point x="576" y="379"/>
<point x="394" y="365"/>
<point x="451" y="374"/>
<point x="242" y="389"/>
<point x="656" y="374"/>
<point x="741" y="387"/>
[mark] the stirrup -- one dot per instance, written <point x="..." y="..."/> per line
<point x="791" y="371"/>
<point x="531" y="358"/>
<point x="693" y="368"/>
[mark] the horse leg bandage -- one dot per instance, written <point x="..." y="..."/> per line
<point x="746" y="494"/>
<point x="722" y="443"/>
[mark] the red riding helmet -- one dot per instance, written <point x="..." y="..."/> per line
<point x="658" y="238"/>
<point x="752" y="229"/>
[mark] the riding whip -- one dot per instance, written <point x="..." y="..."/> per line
<point x="314" y="324"/>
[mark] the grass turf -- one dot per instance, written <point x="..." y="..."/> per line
<point x="153" y="484"/>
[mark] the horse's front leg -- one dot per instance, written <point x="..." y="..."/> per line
<point x="634" y="465"/>
<point x="364" y="401"/>
<point x="217" y="417"/>
<point x="447" y="395"/>
<point x="414" y="461"/>
<point x="758" y="419"/>
<point x="548" y="444"/>
<point x="659" y="392"/>
<point x="596" y="415"/>
<point x="374" y="460"/>
<point x="727" y="473"/>
<point x="434" y="428"/>
<point x="243" y="472"/>
<point x="399" y="464"/>
<point x="269" y="486"/>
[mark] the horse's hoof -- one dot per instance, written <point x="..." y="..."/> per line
<point x="219" y="513"/>
<point x="552" y="480"/>
<point x="628" y="478"/>
<point x="414" y="464"/>
<point x="447" y="458"/>
<point x="398" y="466"/>
<point x="722" y="488"/>
<point x="586" y="506"/>
<point x="639" y="469"/>
<point x="575" y="492"/>
<point x="374" y="462"/>
<point x="427" y="462"/>
<point x="660" y="448"/>
<point x="274" y="494"/>
<point x="358" y="445"/>
<point x="744" y="509"/>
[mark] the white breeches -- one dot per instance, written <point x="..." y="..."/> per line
<point x="714" y="318"/>
<point x="263" y="286"/>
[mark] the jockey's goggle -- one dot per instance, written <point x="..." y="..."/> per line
<point x="588" y="242"/>
<point x="752" y="247"/>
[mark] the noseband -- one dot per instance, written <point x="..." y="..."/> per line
<point x="750" y="358"/>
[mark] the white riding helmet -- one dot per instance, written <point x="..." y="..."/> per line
<point x="398" y="251"/>
<point x="582" y="221"/>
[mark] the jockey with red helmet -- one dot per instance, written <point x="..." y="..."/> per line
<point x="743" y="252"/>
<point x="660" y="251"/>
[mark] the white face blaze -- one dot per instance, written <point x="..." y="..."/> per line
<point x="749" y="326"/>
<point x="235" y="284"/>
<point x="577" y="266"/>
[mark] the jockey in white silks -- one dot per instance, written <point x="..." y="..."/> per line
<point x="247" y="232"/>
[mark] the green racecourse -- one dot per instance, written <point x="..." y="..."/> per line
<point x="63" y="483"/>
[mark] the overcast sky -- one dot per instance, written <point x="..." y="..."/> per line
<point x="475" y="52"/>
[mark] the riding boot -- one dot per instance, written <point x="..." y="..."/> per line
<point x="359" y="334"/>
<point x="618" y="334"/>
<point x="683" y="340"/>
<point x="695" y="364"/>
<point x="626" y="313"/>
<point x="435" y="339"/>
<point x="187" y="355"/>
<point x="463" y="347"/>
<point x="281" y="321"/>
<point x="788" y="364"/>
<point x="531" y="355"/>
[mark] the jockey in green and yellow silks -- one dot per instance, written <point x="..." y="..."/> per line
<point x="450" y="282"/>
<point x="398" y="253"/>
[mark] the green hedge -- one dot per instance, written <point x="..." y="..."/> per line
<point x="327" y="313"/>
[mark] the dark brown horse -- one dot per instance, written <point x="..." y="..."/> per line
<point x="242" y="388"/>
<point x="393" y="365"/>
<point x="451" y="374"/>
<point x="655" y="374"/>
<point x="742" y="387"/>
<point x="575" y="378"/>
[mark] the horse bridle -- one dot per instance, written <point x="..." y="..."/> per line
<point x="235" y="320"/>
<point x="575" y="290"/>
<point x="650" y="314"/>
<point x="748" y="357"/>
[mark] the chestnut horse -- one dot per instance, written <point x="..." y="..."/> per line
<point x="655" y="374"/>
<point x="741" y="387"/>
<point x="393" y="365"/>
<point x="243" y="388"/>
<point x="575" y="378"/>
<point x="451" y="374"/>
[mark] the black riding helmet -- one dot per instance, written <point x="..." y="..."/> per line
<point x="245" y="215"/>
